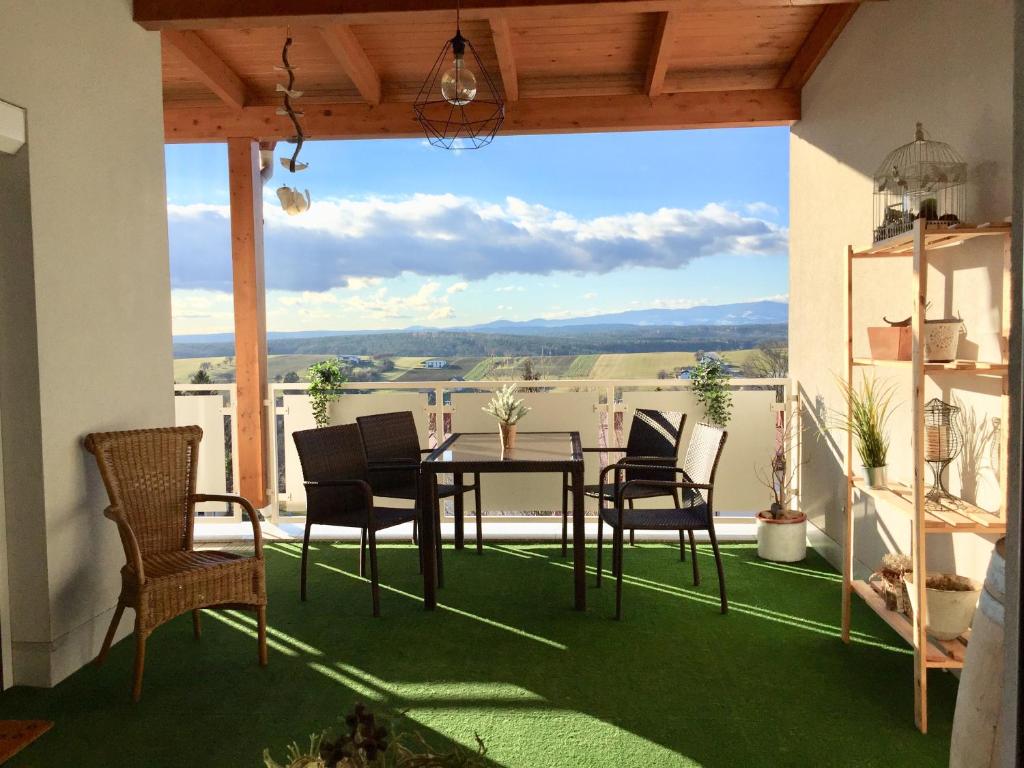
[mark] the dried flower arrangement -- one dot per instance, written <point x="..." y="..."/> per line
<point x="370" y="743"/>
<point x="895" y="566"/>
<point x="504" y="406"/>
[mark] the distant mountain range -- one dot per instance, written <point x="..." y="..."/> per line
<point x="747" y="313"/>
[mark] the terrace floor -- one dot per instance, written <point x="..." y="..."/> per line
<point x="674" y="684"/>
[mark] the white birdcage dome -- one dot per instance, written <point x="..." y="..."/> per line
<point x="922" y="165"/>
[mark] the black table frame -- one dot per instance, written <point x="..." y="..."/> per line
<point x="430" y="535"/>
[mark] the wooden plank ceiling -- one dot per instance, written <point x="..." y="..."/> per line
<point x="562" y="66"/>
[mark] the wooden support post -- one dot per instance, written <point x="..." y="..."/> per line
<point x="848" y="533"/>
<point x="917" y="530"/>
<point x="246" y="191"/>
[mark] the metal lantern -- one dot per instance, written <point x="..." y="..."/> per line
<point x="923" y="179"/>
<point x="458" y="104"/>
<point x="942" y="443"/>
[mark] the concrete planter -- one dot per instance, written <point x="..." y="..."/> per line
<point x="950" y="612"/>
<point x="781" y="541"/>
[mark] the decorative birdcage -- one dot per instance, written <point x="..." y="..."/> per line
<point x="942" y="443"/>
<point x="923" y="179"/>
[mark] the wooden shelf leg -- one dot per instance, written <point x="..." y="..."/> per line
<point x="848" y="533"/>
<point x="918" y="554"/>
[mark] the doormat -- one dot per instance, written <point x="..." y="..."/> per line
<point x="15" y="735"/>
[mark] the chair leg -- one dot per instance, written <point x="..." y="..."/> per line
<point x="261" y="633"/>
<point x="140" y="661"/>
<point x="618" y="576"/>
<point x="479" y="515"/>
<point x="362" y="552"/>
<point x="682" y="546"/>
<point x="305" y="558"/>
<point x="114" y="621"/>
<point x="718" y="564"/>
<point x="600" y="546"/>
<point x="435" y="512"/>
<point x="197" y="626"/>
<point x="416" y="535"/>
<point x="374" y="580"/>
<point x="565" y="521"/>
<point x="632" y="533"/>
<point x="693" y="556"/>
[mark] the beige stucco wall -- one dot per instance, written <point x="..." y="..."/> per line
<point x="97" y="340"/>
<point x="948" y="64"/>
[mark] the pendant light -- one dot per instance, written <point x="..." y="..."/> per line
<point x="458" y="104"/>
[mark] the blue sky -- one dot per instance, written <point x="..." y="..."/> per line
<point x="401" y="233"/>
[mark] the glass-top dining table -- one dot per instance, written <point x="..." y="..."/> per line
<point x="482" y="452"/>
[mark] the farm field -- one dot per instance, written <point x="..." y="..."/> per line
<point x="637" y="365"/>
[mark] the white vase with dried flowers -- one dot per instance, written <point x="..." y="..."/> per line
<point x="508" y="411"/>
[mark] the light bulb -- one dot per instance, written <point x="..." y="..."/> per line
<point x="458" y="84"/>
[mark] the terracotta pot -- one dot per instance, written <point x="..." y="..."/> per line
<point x="508" y="434"/>
<point x="890" y="342"/>
<point x="783" y="540"/>
<point x="950" y="612"/>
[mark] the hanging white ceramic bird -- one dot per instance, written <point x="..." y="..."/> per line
<point x="292" y="201"/>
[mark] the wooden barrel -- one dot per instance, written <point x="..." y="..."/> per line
<point x="978" y="720"/>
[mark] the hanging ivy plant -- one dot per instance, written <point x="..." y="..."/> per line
<point x="710" y="387"/>
<point x="325" y="378"/>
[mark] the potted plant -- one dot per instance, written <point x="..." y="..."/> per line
<point x="508" y="411"/>
<point x="325" y="378"/>
<point x="951" y="602"/>
<point x="781" y="532"/>
<point x="710" y="386"/>
<point x="866" y="418"/>
<point x="890" y="581"/>
<point x="941" y="339"/>
<point x="892" y="341"/>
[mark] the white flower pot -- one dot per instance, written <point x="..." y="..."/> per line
<point x="950" y="612"/>
<point x="941" y="339"/>
<point x="874" y="477"/>
<point x="782" y="541"/>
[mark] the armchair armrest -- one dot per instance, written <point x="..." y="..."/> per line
<point x="684" y="485"/>
<point x="244" y="503"/>
<point x="132" y="552"/>
<point x="384" y="465"/>
<point x="362" y="485"/>
<point x="603" y="450"/>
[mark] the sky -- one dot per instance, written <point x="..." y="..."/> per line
<point x="404" y="234"/>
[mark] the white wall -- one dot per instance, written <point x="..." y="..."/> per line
<point x="948" y="64"/>
<point x="92" y="314"/>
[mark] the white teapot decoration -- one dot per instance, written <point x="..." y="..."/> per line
<point x="292" y="201"/>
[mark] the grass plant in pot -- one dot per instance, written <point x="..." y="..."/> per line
<point x="866" y="418"/>
<point x="508" y="411"/>
<point x="781" y="531"/>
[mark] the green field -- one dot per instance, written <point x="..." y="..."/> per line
<point x="637" y="365"/>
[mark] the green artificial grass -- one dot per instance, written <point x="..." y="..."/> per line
<point x="505" y="656"/>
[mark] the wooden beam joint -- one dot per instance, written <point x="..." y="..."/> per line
<point x="347" y="51"/>
<point x="208" y="67"/>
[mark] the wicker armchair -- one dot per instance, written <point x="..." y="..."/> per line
<point x="335" y="475"/>
<point x="695" y="513"/>
<point x="150" y="477"/>
<point x="653" y="440"/>
<point x="391" y="440"/>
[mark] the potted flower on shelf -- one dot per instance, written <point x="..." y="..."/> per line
<point x="866" y="418"/>
<point x="508" y="411"/>
<point x="781" y="531"/>
<point x="951" y="601"/>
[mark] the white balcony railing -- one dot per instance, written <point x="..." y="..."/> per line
<point x="599" y="409"/>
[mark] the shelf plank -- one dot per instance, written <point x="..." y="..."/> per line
<point x="946" y="519"/>
<point x="979" y="367"/>
<point x="935" y="235"/>
<point x="940" y="654"/>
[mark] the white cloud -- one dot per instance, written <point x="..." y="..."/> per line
<point x="457" y="288"/>
<point x="352" y="241"/>
<point x="590" y="296"/>
<point x="761" y="209"/>
<point x="509" y="289"/>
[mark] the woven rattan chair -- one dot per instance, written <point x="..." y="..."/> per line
<point x="150" y="476"/>
<point x="335" y="475"/>
<point x="653" y="439"/>
<point x="695" y="513"/>
<point x="391" y="441"/>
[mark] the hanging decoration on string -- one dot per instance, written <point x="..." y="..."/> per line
<point x="292" y="201"/>
<point x="458" y="105"/>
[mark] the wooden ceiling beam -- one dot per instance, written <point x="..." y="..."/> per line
<point x="198" y="14"/>
<point x="506" y="59"/>
<point x="721" y="109"/>
<point x="344" y="46"/>
<point x="654" y="83"/>
<point x="823" y="34"/>
<point x="209" y="68"/>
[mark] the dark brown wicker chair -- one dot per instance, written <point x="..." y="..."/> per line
<point x="653" y="439"/>
<point x="391" y="441"/>
<point x="696" y="513"/>
<point x="335" y="475"/>
<point x="150" y="476"/>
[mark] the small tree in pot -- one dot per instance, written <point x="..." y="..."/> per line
<point x="781" y="532"/>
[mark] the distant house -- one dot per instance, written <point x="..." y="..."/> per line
<point x="350" y="359"/>
<point x="435" y="362"/>
<point x="684" y="373"/>
<point x="711" y="356"/>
